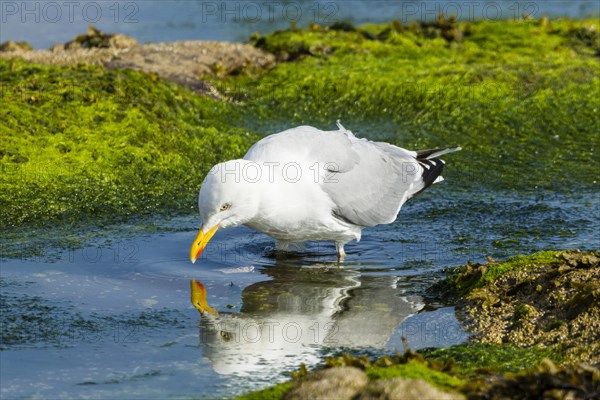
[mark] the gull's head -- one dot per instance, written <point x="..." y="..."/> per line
<point x="228" y="197"/>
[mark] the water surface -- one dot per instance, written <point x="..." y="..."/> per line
<point x="115" y="321"/>
<point x="44" y="23"/>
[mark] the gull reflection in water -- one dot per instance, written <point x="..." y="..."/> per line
<point x="297" y="314"/>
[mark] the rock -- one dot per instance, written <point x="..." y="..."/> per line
<point x="57" y="47"/>
<point x="185" y="63"/>
<point x="544" y="300"/>
<point x="95" y="38"/>
<point x="59" y="56"/>
<point x="10" y="46"/>
<point x="188" y="62"/>
<point x="333" y="383"/>
<point x="119" y="41"/>
<point x="545" y="381"/>
<point x="406" y="389"/>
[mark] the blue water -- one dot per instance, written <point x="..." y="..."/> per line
<point x="115" y="320"/>
<point x="44" y="23"/>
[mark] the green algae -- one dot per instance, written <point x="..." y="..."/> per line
<point x="271" y="393"/>
<point x="474" y="359"/>
<point x="86" y="143"/>
<point x="415" y="370"/>
<point x="518" y="96"/>
<point x="472" y="276"/>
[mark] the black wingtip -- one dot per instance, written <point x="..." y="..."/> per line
<point x="432" y="170"/>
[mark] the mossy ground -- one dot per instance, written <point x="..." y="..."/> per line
<point x="520" y="97"/>
<point x="82" y="142"/>
<point x="271" y="393"/>
<point x="474" y="276"/>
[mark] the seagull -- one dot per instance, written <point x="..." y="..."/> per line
<point x="305" y="184"/>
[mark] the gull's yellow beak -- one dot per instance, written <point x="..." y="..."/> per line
<point x="200" y="242"/>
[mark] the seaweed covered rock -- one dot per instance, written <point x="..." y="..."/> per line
<point x="293" y="43"/>
<point x="546" y="299"/>
<point x="95" y="38"/>
<point x="187" y="63"/>
<point x="545" y="381"/>
<point x="406" y="376"/>
<point x="166" y="135"/>
<point x="10" y="46"/>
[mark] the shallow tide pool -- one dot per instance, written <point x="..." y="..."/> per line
<point x="116" y="321"/>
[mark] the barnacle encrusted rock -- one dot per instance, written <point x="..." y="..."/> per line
<point x="550" y="303"/>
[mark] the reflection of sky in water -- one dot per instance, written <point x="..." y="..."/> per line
<point x="117" y="321"/>
<point x="44" y="23"/>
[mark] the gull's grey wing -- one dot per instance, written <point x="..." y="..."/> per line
<point x="306" y="145"/>
<point x="367" y="181"/>
<point x="383" y="179"/>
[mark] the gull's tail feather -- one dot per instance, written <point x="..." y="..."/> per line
<point x="433" y="153"/>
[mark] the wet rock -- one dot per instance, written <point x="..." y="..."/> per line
<point x="552" y="303"/>
<point x="545" y="381"/>
<point x="11" y="46"/>
<point x="58" y="56"/>
<point x="408" y="389"/>
<point x="333" y="383"/>
<point x="577" y="259"/>
<point x="119" y="41"/>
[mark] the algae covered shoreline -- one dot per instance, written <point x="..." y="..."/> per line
<point x="87" y="143"/>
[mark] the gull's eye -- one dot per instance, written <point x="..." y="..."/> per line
<point x="225" y="206"/>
